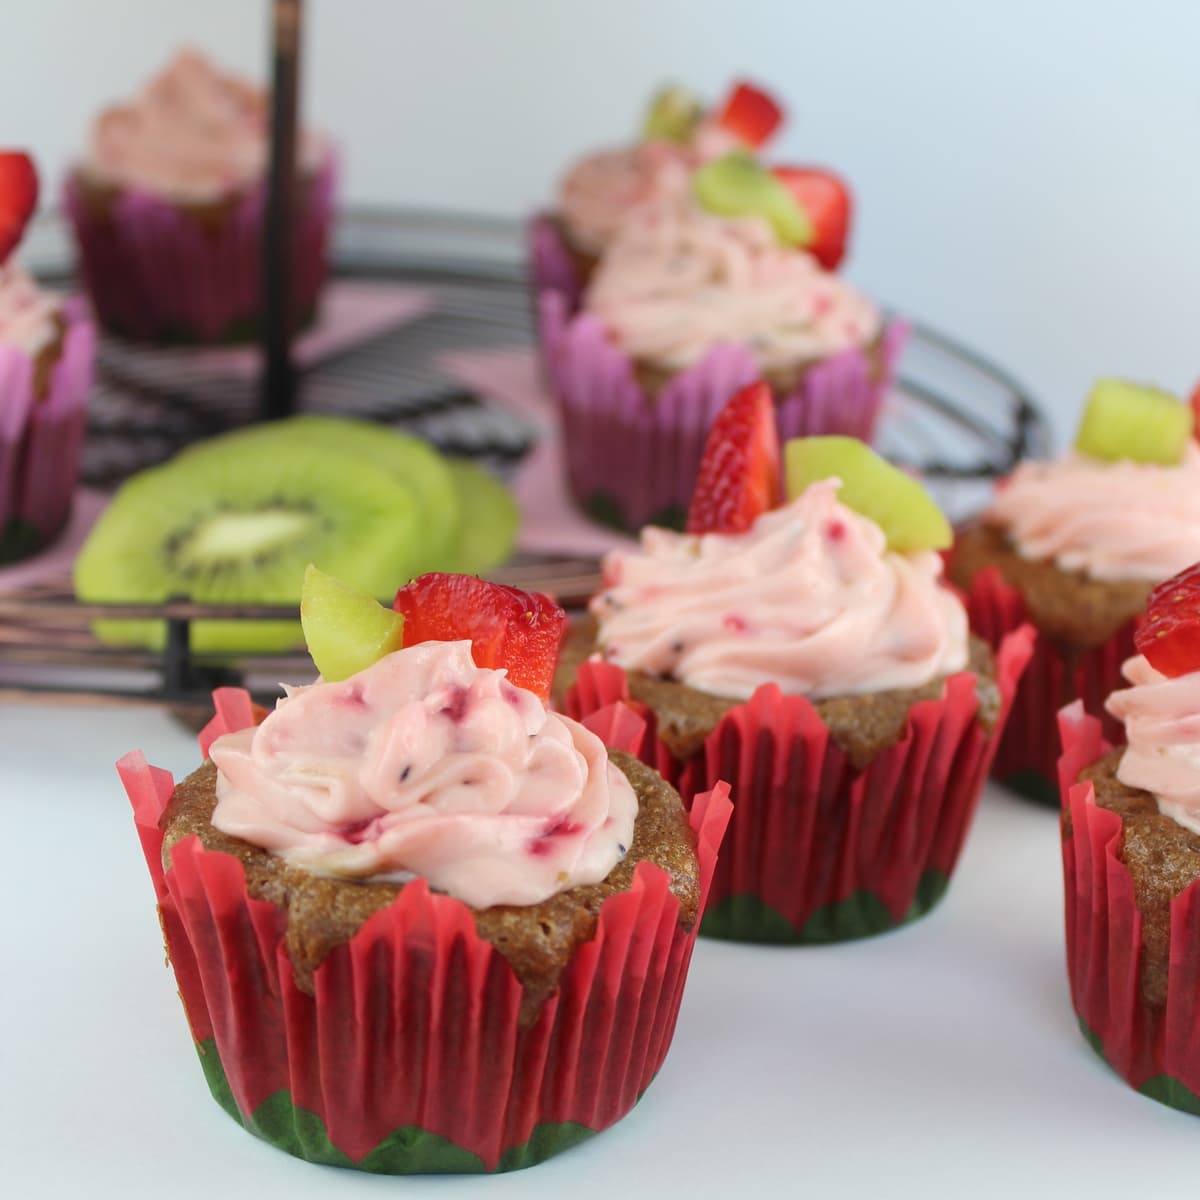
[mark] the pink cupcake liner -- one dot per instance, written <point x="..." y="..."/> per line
<point x="818" y="850"/>
<point x="1027" y="758"/>
<point x="633" y="460"/>
<point x="159" y="271"/>
<point x="41" y="436"/>
<point x="551" y="266"/>
<point x="409" y="1055"/>
<point x="1155" y="1049"/>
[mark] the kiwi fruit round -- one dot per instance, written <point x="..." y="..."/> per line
<point x="238" y="525"/>
<point x="489" y="519"/>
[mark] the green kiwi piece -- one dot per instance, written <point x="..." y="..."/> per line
<point x="410" y="459"/>
<point x="737" y="185"/>
<point x="239" y="526"/>
<point x="345" y="630"/>
<point x="673" y="115"/>
<point x="488" y="522"/>
<point x="871" y="486"/>
<point x="1129" y="421"/>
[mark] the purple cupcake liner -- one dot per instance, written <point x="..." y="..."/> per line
<point x="551" y="265"/>
<point x="632" y="459"/>
<point x="160" y="271"/>
<point x="41" y="435"/>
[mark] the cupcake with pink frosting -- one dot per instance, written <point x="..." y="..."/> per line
<point x="599" y="191"/>
<point x="826" y="674"/>
<point x="1131" y="819"/>
<point x="1074" y="546"/>
<point x="402" y="906"/>
<point x="695" y="297"/>
<point x="47" y="348"/>
<point x="168" y="205"/>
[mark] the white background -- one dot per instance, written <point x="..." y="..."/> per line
<point x="1028" y="170"/>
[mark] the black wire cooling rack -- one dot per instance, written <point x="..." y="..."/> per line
<point x="958" y="418"/>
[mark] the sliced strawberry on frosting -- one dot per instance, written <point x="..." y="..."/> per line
<point x="1169" y="637"/>
<point x="828" y="203"/>
<point x="739" y="476"/>
<point x="18" y="198"/>
<point x="506" y="626"/>
<point x="1194" y="401"/>
<point x="750" y="114"/>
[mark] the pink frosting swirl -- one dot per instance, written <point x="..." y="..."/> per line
<point x="677" y="281"/>
<point x="808" y="598"/>
<point x="1113" y="520"/>
<point x="27" y="313"/>
<point x="598" y="191"/>
<point x="194" y="134"/>
<point x="427" y="765"/>
<point x="1162" y="725"/>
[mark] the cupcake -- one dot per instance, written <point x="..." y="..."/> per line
<point x="695" y="297"/>
<point x="168" y="207"/>
<point x="47" y="346"/>
<point x="1074" y="546"/>
<point x="1131" y="857"/>
<point x="810" y="655"/>
<point x="404" y="911"/>
<point x="600" y="189"/>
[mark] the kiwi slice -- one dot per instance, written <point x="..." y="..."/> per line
<point x="239" y="526"/>
<point x="673" y="115"/>
<point x="346" y="630"/>
<point x="896" y="502"/>
<point x="411" y="460"/>
<point x="1129" y="421"/>
<point x="489" y="519"/>
<point x="737" y="185"/>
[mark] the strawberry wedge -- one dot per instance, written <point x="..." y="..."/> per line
<point x="506" y="626"/>
<point x="750" y="114"/>
<point x="739" y="476"/>
<point x="18" y="198"/>
<point x="828" y="203"/>
<point x="1169" y="638"/>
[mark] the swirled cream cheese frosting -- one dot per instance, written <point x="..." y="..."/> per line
<point x="1162" y="726"/>
<point x="677" y="281"/>
<point x="598" y="192"/>
<point x="28" y="315"/>
<point x="426" y="765"/>
<point x="193" y="134"/>
<point x="1112" y="520"/>
<point x="808" y="598"/>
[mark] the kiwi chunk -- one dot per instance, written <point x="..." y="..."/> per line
<point x="896" y="502"/>
<point x="737" y="185"/>
<point x="1129" y="421"/>
<point x="346" y="630"/>
<point x="238" y="526"/>
<point x="488" y="520"/>
<point x="411" y="460"/>
<point x="673" y="115"/>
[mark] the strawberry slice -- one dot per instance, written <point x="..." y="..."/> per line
<point x="828" y="203"/>
<point x="750" y="114"/>
<point x="18" y="198"/>
<point x="1194" y="401"/>
<point x="1169" y="636"/>
<point x="507" y="627"/>
<point x="739" y="476"/>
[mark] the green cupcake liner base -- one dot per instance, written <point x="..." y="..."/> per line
<point x="1164" y="1088"/>
<point x="410" y="1150"/>
<point x="1033" y="785"/>
<point x="605" y="509"/>
<point x="19" y="539"/>
<point x="746" y="918"/>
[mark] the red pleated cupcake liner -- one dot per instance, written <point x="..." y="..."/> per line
<point x="413" y="1029"/>
<point x="1154" y="1049"/>
<point x="157" y="271"/>
<point x="1027" y="758"/>
<point x="552" y="267"/>
<point x="632" y="459"/>
<point x="41" y="436"/>
<point x="818" y="850"/>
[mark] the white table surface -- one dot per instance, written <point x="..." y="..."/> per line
<point x="942" y="1060"/>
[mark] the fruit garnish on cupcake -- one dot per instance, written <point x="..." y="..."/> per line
<point x="827" y="202"/>
<point x="18" y="198"/>
<point x="1169" y="637"/>
<point x="750" y="114"/>
<point x="1128" y="422"/>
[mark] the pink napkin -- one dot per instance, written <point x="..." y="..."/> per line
<point x="550" y="523"/>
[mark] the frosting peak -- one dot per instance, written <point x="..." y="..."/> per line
<point x="27" y="313"/>
<point x="1162" y="726"/>
<point x="426" y="765"/>
<point x="1113" y="520"/>
<point x="808" y="598"/>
